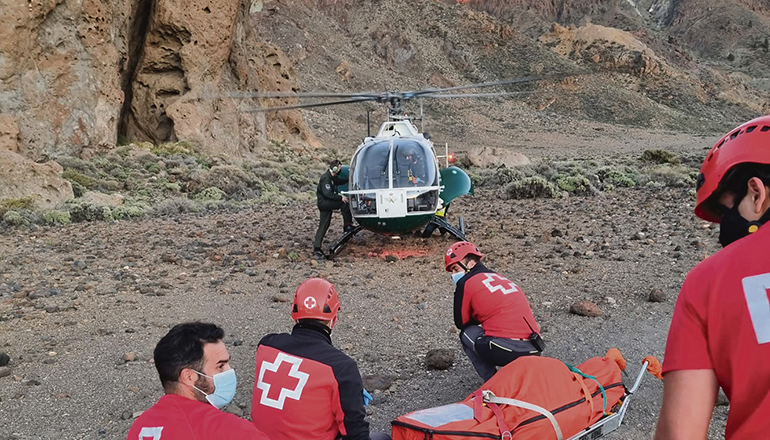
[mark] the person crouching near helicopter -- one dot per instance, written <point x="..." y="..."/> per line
<point x="496" y="322"/>
<point x="305" y="388"/>
<point x="328" y="202"/>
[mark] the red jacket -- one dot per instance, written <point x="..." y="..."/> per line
<point x="487" y="298"/>
<point x="304" y="388"/>
<point x="174" y="417"/>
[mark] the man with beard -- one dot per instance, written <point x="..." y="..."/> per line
<point x="194" y="368"/>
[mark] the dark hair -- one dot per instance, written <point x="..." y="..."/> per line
<point x="335" y="163"/>
<point x="472" y="257"/>
<point x="182" y="347"/>
<point x="736" y="182"/>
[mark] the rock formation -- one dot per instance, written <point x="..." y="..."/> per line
<point x="75" y="76"/>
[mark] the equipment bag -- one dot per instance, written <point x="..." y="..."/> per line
<point x="538" y="398"/>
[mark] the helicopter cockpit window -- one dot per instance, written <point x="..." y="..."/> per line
<point x="413" y="165"/>
<point x="369" y="167"/>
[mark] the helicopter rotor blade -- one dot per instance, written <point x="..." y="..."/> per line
<point x="268" y="95"/>
<point x="315" y="104"/>
<point x="505" y="82"/>
<point x="480" y="95"/>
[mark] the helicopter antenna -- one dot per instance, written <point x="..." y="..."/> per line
<point x="368" y="125"/>
<point x="422" y="123"/>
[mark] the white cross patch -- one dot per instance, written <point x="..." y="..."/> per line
<point x="295" y="394"/>
<point x="310" y="302"/>
<point x="500" y="283"/>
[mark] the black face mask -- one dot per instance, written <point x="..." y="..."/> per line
<point x="734" y="227"/>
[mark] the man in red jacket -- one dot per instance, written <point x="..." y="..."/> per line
<point x="304" y="387"/>
<point x="496" y="322"/>
<point x="720" y="331"/>
<point x="194" y="368"/>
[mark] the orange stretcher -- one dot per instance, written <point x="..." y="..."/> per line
<point x="534" y="398"/>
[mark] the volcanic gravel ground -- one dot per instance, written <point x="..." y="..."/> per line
<point x="82" y="306"/>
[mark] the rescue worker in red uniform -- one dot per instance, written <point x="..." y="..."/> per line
<point x="720" y="330"/>
<point x="497" y="325"/>
<point x="305" y="388"/>
<point x="194" y="368"/>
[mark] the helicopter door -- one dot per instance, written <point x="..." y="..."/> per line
<point x="392" y="203"/>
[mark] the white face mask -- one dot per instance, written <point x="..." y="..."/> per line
<point x="224" y="388"/>
<point x="457" y="276"/>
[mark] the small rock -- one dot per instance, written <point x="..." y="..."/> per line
<point x="49" y="361"/>
<point x="391" y="258"/>
<point x="5" y="371"/>
<point x="126" y="415"/>
<point x="657" y="296"/>
<point x="611" y="301"/>
<point x="4" y="359"/>
<point x="51" y="309"/>
<point x="556" y="233"/>
<point x="313" y="263"/>
<point x="129" y="357"/>
<point x="439" y="359"/>
<point x="62" y="396"/>
<point x="280" y="298"/>
<point x="585" y="308"/>
<point x="377" y="382"/>
<point x="422" y="306"/>
<point x="32" y="383"/>
<point x="639" y="236"/>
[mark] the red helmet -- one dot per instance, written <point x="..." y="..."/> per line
<point x="316" y="298"/>
<point x="458" y="251"/>
<point x="749" y="143"/>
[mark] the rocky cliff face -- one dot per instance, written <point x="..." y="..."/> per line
<point x="75" y="76"/>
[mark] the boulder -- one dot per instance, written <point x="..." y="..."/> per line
<point x="439" y="359"/>
<point x="495" y="157"/>
<point x="20" y="178"/>
<point x="585" y="308"/>
<point x="377" y="382"/>
<point x="101" y="199"/>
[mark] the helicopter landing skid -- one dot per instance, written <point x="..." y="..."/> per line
<point x="444" y="226"/>
<point x="339" y="244"/>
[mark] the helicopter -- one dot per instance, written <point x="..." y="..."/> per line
<point x="396" y="185"/>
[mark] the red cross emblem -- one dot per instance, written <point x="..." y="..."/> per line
<point x="495" y="282"/>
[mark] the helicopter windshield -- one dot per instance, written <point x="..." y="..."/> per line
<point x="413" y="166"/>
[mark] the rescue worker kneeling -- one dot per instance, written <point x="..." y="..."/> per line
<point x="305" y="388"/>
<point x="497" y="325"/>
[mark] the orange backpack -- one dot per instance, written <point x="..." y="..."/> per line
<point x="571" y="400"/>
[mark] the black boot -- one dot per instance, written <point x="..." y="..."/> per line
<point x="318" y="253"/>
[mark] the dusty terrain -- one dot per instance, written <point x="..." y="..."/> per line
<point x="75" y="300"/>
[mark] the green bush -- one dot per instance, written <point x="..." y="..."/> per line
<point x="211" y="193"/>
<point x="574" y="184"/>
<point x="13" y="218"/>
<point x="660" y="157"/>
<point x="611" y="176"/>
<point x="81" y="179"/>
<point x="87" y="212"/>
<point x="177" y="205"/>
<point x="529" y="188"/>
<point x="16" y="204"/>
<point x="57" y="217"/>
<point x="125" y="212"/>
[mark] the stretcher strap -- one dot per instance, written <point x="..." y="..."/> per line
<point x="489" y="397"/>
<point x="574" y="369"/>
<point x="586" y="393"/>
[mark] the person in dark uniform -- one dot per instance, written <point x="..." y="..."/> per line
<point x="496" y="322"/>
<point x="328" y="201"/>
<point x="305" y="388"/>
